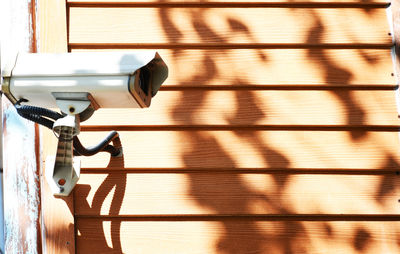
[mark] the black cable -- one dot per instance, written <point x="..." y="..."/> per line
<point x="26" y="109"/>
<point x="35" y="114"/>
<point x="38" y="119"/>
<point x="38" y="114"/>
<point x="103" y="146"/>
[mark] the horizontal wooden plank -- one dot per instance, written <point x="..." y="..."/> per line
<point x="243" y="107"/>
<point x="248" y="149"/>
<point x="230" y="193"/>
<point x="97" y="236"/>
<point x="230" y="25"/>
<point x="278" y="67"/>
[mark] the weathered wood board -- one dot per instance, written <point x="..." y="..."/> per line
<point x="278" y="67"/>
<point x="228" y="25"/>
<point x="251" y="149"/>
<point x="57" y="213"/>
<point x="236" y="236"/>
<point x="334" y="107"/>
<point x="20" y="226"/>
<point x="234" y="194"/>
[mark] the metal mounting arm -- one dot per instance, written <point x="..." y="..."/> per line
<point x="63" y="171"/>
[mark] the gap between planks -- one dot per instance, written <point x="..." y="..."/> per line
<point x="251" y="217"/>
<point x="375" y="128"/>
<point x="292" y="87"/>
<point x="73" y="46"/>
<point x="364" y="5"/>
<point x="275" y="171"/>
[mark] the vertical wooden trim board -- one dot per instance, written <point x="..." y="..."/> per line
<point x="21" y="169"/>
<point x="395" y="20"/>
<point x="57" y="213"/>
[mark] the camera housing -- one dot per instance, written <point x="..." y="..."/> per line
<point x="111" y="79"/>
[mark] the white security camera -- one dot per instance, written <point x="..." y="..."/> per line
<point x="78" y="84"/>
<point x="113" y="79"/>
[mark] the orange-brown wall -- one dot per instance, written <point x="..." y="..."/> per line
<point x="276" y="131"/>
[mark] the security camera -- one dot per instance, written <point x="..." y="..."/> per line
<point x="78" y="84"/>
<point x="112" y="79"/>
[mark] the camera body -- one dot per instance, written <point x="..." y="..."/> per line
<point x="110" y="79"/>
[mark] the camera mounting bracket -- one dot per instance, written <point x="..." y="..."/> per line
<point x="63" y="170"/>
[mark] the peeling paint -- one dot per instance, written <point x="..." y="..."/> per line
<point x="21" y="185"/>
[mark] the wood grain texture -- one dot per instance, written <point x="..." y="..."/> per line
<point x="268" y="107"/>
<point x="229" y="236"/>
<point x="232" y="189"/>
<point x="20" y="193"/>
<point x="251" y="149"/>
<point x="231" y="25"/>
<point x="231" y="193"/>
<point x="53" y="26"/>
<point x="58" y="221"/>
<point x="277" y="67"/>
<point x="22" y="202"/>
<point x="57" y="214"/>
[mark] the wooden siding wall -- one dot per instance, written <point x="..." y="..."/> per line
<point x="276" y="132"/>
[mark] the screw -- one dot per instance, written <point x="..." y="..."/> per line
<point x="61" y="181"/>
